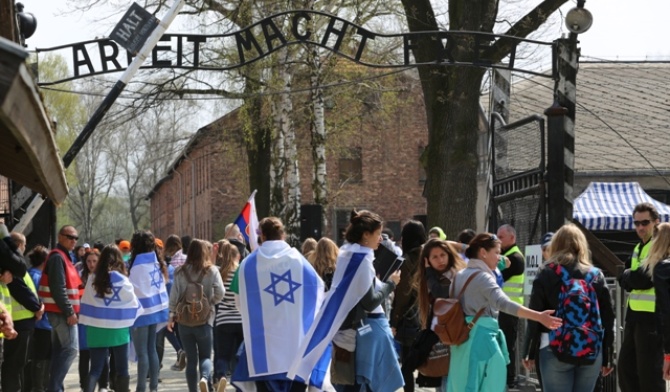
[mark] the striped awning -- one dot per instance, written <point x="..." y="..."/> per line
<point x="609" y="205"/>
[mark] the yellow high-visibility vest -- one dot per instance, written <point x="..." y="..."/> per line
<point x="6" y="299"/>
<point x="19" y="312"/>
<point x="513" y="287"/>
<point x="641" y="300"/>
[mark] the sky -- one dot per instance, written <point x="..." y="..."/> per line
<point x="622" y="29"/>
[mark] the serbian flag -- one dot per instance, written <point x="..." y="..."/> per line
<point x="248" y="222"/>
<point x="354" y="275"/>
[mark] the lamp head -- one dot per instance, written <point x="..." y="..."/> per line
<point x="578" y="20"/>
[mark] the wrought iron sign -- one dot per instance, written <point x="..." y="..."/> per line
<point x="220" y="52"/>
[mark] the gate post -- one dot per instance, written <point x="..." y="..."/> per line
<point x="561" y="133"/>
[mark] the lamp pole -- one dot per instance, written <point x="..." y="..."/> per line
<point x="561" y="119"/>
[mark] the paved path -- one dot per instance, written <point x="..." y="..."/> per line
<point x="172" y="381"/>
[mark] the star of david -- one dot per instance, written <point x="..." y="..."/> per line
<point x="273" y="289"/>
<point x="115" y="296"/>
<point x="156" y="273"/>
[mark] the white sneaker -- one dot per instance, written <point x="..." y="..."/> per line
<point x="102" y="390"/>
<point x="203" y="385"/>
<point x="222" y="385"/>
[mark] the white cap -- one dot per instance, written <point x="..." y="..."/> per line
<point x="86" y="245"/>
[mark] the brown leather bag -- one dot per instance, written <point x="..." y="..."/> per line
<point x="437" y="364"/>
<point x="451" y="326"/>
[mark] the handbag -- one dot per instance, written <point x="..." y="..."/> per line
<point x="437" y="364"/>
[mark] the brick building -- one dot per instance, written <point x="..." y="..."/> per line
<point x="375" y="141"/>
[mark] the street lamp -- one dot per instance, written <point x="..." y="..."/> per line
<point x="578" y="20"/>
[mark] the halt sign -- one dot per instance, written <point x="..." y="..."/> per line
<point x="533" y="261"/>
<point x="134" y="28"/>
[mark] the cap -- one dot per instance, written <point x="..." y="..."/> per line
<point x="546" y="239"/>
<point x="439" y="231"/>
<point x="87" y="246"/>
<point x="124" y="245"/>
<point x="159" y="242"/>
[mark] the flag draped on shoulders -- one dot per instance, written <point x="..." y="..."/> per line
<point x="118" y="309"/>
<point x="353" y="277"/>
<point x="280" y="294"/>
<point x="149" y="284"/>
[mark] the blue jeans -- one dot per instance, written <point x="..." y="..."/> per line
<point x="144" y="340"/>
<point x="197" y="343"/>
<point x="99" y="356"/>
<point x="559" y="376"/>
<point x="64" y="348"/>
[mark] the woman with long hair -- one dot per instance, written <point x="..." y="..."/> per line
<point x="148" y="276"/>
<point x="570" y="261"/>
<point x="324" y="259"/>
<point x="89" y="262"/>
<point x="365" y="330"/>
<point x="228" y="334"/>
<point x="486" y="343"/>
<point x="197" y="339"/>
<point x="404" y="320"/>
<point x="657" y="265"/>
<point x="109" y="308"/>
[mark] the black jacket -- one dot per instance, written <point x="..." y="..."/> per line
<point x="10" y="259"/>
<point x="546" y="289"/>
<point x="662" y="287"/>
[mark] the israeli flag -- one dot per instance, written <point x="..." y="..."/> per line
<point x="280" y="294"/>
<point x="118" y="309"/>
<point x="354" y="275"/>
<point x="147" y="279"/>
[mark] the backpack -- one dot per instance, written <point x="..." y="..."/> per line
<point x="451" y="326"/>
<point x="579" y="339"/>
<point x="193" y="307"/>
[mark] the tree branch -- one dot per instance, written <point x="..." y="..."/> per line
<point x="522" y="28"/>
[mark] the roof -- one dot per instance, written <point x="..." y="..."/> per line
<point x="622" y="116"/>
<point x="28" y="152"/>
<point x="609" y="205"/>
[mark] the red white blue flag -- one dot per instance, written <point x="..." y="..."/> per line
<point x="248" y="222"/>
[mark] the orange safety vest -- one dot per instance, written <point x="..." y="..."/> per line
<point x="72" y="285"/>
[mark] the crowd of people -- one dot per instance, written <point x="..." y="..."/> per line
<point x="325" y="317"/>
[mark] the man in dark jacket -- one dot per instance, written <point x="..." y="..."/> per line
<point x="59" y="290"/>
<point x="26" y="308"/>
<point x="641" y="356"/>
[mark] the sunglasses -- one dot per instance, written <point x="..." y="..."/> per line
<point x="71" y="237"/>
<point x="645" y="222"/>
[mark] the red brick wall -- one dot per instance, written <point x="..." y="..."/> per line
<point x="390" y="139"/>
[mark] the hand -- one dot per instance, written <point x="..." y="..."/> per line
<point x="6" y="277"/>
<point x="10" y="333"/>
<point x="605" y="371"/>
<point x="666" y="370"/>
<point x="72" y="320"/>
<point x="393" y="330"/>
<point x="170" y="325"/>
<point x="40" y="313"/>
<point x="395" y="277"/>
<point x="529" y="364"/>
<point x="548" y="320"/>
<point x="507" y="262"/>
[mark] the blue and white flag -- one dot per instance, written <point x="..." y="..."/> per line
<point x="354" y="275"/>
<point x="149" y="283"/>
<point x="118" y="309"/>
<point x="280" y="294"/>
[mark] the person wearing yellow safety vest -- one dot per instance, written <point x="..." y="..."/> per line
<point x="26" y="308"/>
<point x="513" y="287"/>
<point x="640" y="366"/>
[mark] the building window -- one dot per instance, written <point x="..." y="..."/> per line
<point x="351" y="166"/>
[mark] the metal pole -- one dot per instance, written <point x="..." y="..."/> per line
<point x="104" y="107"/>
<point x="561" y="134"/>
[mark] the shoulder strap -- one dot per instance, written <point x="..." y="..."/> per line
<point x="465" y="286"/>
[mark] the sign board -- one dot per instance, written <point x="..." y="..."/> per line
<point x="134" y="28"/>
<point x="533" y="261"/>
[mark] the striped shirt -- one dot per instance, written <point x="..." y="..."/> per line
<point x="226" y="311"/>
